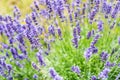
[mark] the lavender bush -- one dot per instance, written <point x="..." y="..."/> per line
<point x="62" y="40"/>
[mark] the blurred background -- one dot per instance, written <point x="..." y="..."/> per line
<point x="6" y="6"/>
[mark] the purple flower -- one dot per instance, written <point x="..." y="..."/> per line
<point x="92" y="14"/>
<point x="9" y="67"/>
<point x="75" y="37"/>
<point x="100" y="26"/>
<point x="59" y="33"/>
<point x="93" y="78"/>
<point x="19" y="64"/>
<point x="104" y="73"/>
<point x="95" y="40"/>
<point x="119" y="40"/>
<point x="10" y="78"/>
<point x="70" y="16"/>
<point x="118" y="77"/>
<point x="40" y="58"/>
<point x="35" y="76"/>
<point x="34" y="66"/>
<point x="14" y="52"/>
<point x="113" y="24"/>
<point x="78" y="30"/>
<point x="116" y="9"/>
<point x="88" y="34"/>
<point x="16" y="12"/>
<point x="36" y="5"/>
<point x="91" y="50"/>
<point x="104" y="56"/>
<point x="53" y="73"/>
<point x="23" y="49"/>
<point x="88" y="53"/>
<point x="51" y="30"/>
<point x="75" y="69"/>
<point x="109" y="64"/>
<point x="57" y="77"/>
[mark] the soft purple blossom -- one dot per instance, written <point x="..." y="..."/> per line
<point x="104" y="56"/>
<point x="57" y="77"/>
<point x="88" y="34"/>
<point x="52" y="72"/>
<point x="35" y="76"/>
<point x="100" y="26"/>
<point x="93" y="78"/>
<point x="104" y="74"/>
<point x="76" y="69"/>
<point x="119" y="40"/>
<point x="109" y="64"/>
<point x="40" y="58"/>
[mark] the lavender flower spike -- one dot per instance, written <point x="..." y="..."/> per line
<point x="100" y="26"/>
<point x="53" y="73"/>
<point x="75" y="69"/>
<point x="104" y="56"/>
<point x="40" y="58"/>
<point x="104" y="74"/>
<point x="119" y="40"/>
<point x="93" y="78"/>
<point x="57" y="77"/>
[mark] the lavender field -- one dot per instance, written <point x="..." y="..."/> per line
<point x="61" y="40"/>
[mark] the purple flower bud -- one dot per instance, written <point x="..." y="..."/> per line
<point x="113" y="24"/>
<point x="116" y="10"/>
<point x="51" y="30"/>
<point x="93" y="78"/>
<point x="57" y="77"/>
<point x="88" y="34"/>
<point x="118" y="77"/>
<point x="14" y="52"/>
<point x="75" y="38"/>
<point x="34" y="66"/>
<point x="104" y="73"/>
<point x="19" y="64"/>
<point x="59" y="33"/>
<point x="78" y="30"/>
<point x="87" y="54"/>
<point x="53" y="73"/>
<point x="35" y="76"/>
<point x="10" y="78"/>
<point x="92" y="14"/>
<point x="70" y="16"/>
<point x="36" y="5"/>
<point x="17" y="14"/>
<point x="9" y="67"/>
<point x="95" y="40"/>
<point x="40" y="58"/>
<point x="28" y="20"/>
<point x="75" y="69"/>
<point x="23" y="49"/>
<point x="104" y="56"/>
<point x="119" y="40"/>
<point x="100" y="26"/>
<point x="109" y="64"/>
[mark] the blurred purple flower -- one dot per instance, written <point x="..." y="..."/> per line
<point x="100" y="25"/>
<point x="119" y="40"/>
<point x="76" y="69"/>
<point x="40" y="58"/>
<point x="109" y="64"/>
<point x="93" y="78"/>
<point x="104" y="56"/>
<point x="57" y="77"/>
<point x="52" y="72"/>
<point x="35" y="76"/>
<point x="104" y="74"/>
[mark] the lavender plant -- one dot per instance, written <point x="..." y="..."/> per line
<point x="61" y="40"/>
